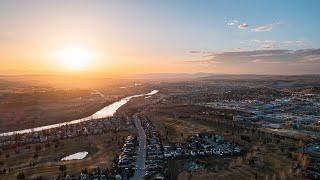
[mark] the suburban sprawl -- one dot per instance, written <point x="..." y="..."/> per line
<point x="212" y="127"/>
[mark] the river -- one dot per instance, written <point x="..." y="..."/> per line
<point x="107" y="111"/>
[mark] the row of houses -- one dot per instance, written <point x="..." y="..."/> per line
<point x="101" y="174"/>
<point x="313" y="169"/>
<point x="200" y="145"/>
<point x="126" y="161"/>
<point x="313" y="150"/>
<point x="93" y="127"/>
<point x="156" y="165"/>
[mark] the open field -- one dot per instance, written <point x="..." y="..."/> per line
<point x="102" y="149"/>
<point x="30" y="102"/>
<point x="38" y="109"/>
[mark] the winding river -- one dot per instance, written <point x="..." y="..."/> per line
<point x="103" y="113"/>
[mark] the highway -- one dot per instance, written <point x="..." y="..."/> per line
<point x="141" y="154"/>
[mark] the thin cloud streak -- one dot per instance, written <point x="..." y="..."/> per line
<point x="232" y="23"/>
<point x="266" y="27"/>
<point x="264" y="60"/>
<point x="280" y="55"/>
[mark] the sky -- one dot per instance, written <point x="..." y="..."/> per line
<point x="167" y="36"/>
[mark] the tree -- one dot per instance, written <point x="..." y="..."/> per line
<point x="21" y="176"/>
<point x="63" y="169"/>
<point x="38" y="148"/>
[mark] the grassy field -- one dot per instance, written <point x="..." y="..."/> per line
<point x="101" y="148"/>
<point x="31" y="107"/>
<point x="27" y="110"/>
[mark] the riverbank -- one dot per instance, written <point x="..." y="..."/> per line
<point x="28" y="110"/>
<point x="103" y="113"/>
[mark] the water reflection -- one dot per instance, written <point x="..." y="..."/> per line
<point x="103" y="113"/>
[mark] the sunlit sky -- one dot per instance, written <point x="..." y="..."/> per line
<point x="135" y="36"/>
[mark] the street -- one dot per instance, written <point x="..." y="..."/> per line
<point x="141" y="155"/>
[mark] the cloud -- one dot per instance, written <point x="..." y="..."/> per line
<point x="270" y="46"/>
<point x="266" y="27"/>
<point x="273" y="44"/>
<point x="267" y="61"/>
<point x="243" y="26"/>
<point x="232" y="23"/>
<point x="202" y="61"/>
<point x="195" y="52"/>
<point x="257" y="60"/>
<point x="266" y="44"/>
<point x="295" y="43"/>
<point x="261" y="55"/>
<point x="267" y="56"/>
<point x="238" y="49"/>
<point x="311" y="58"/>
<point x="262" y="28"/>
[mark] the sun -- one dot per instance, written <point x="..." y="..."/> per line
<point x="74" y="58"/>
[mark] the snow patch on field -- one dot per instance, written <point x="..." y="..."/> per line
<point x="76" y="156"/>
